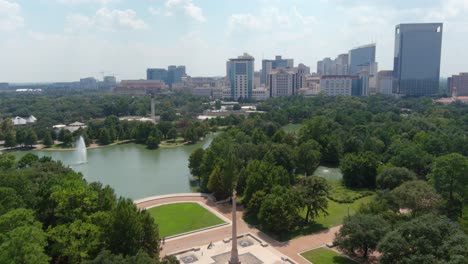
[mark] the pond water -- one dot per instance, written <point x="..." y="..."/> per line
<point x="132" y="170"/>
<point x="328" y="173"/>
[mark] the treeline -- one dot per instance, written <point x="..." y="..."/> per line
<point x="108" y="130"/>
<point x="52" y="108"/>
<point x="50" y="214"/>
<point x="412" y="151"/>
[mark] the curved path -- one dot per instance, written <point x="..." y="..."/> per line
<point x="290" y="248"/>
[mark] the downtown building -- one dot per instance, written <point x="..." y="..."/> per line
<point x="416" y="69"/>
<point x="277" y="63"/>
<point x="340" y="85"/>
<point x="384" y="82"/>
<point x="170" y="76"/>
<point x="458" y="84"/>
<point x="362" y="62"/>
<point x="282" y="82"/>
<point x="240" y="74"/>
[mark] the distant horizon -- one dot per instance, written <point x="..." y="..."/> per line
<point x="65" y="40"/>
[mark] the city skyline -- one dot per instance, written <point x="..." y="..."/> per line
<point x="71" y="39"/>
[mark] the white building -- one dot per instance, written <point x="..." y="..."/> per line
<point x="260" y="93"/>
<point x="18" y="121"/>
<point x="385" y="82"/>
<point x="337" y="84"/>
<point x="241" y="76"/>
<point x="202" y="91"/>
<point x="282" y="82"/>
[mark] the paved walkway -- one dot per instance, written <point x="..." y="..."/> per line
<point x="290" y="248"/>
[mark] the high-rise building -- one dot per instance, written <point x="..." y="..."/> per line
<point x="156" y="74"/>
<point x="325" y="67"/>
<point x="384" y="82"/>
<point x="302" y="71"/>
<point x="416" y="67"/>
<point x="361" y="58"/>
<point x="282" y="82"/>
<point x="277" y="63"/>
<point x="341" y="66"/>
<point x="458" y="84"/>
<point x="241" y="76"/>
<point x="171" y="76"/>
<point x="337" y="84"/>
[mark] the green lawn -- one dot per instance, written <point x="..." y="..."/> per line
<point x="340" y="193"/>
<point x="337" y="211"/>
<point x="326" y="256"/>
<point x="180" y="218"/>
<point x="292" y="128"/>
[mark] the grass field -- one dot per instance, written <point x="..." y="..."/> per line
<point x="180" y="218"/>
<point x="326" y="256"/>
<point x="291" y="128"/>
<point x="337" y="211"/>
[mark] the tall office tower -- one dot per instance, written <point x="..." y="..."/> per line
<point x="156" y="75"/>
<point x="384" y="82"/>
<point x="277" y="63"/>
<point x="241" y="76"/>
<point x="341" y="65"/>
<point x="282" y="82"/>
<point x="325" y="67"/>
<point x="458" y="84"/>
<point x="302" y="72"/>
<point x="416" y="67"/>
<point x="361" y="58"/>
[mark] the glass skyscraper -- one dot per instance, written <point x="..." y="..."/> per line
<point x="241" y="74"/>
<point x="361" y="58"/>
<point x="416" y="67"/>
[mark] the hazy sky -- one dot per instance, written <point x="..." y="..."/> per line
<point x="63" y="40"/>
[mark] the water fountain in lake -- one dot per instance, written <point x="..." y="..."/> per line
<point x="80" y="151"/>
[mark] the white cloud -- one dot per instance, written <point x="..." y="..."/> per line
<point x="190" y="9"/>
<point x="270" y="19"/>
<point x="105" y="19"/>
<point x="154" y="11"/>
<point x="103" y="2"/>
<point x="10" y="18"/>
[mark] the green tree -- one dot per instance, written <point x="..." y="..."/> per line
<point x="21" y="238"/>
<point x="10" y="140"/>
<point x="172" y="134"/>
<point x="392" y="177"/>
<point x="314" y="191"/>
<point x="262" y="176"/>
<point x="152" y="142"/>
<point x="104" y="136"/>
<point x="24" y="244"/>
<point x="47" y="141"/>
<point x="27" y="160"/>
<point x="30" y="138"/>
<point x="9" y="199"/>
<point x="281" y="155"/>
<point x="236" y="107"/>
<point x="196" y="161"/>
<point x="361" y="233"/>
<point x="217" y="104"/>
<point x="308" y="156"/>
<point x="449" y="177"/>
<point x="280" y="210"/>
<point x="258" y="137"/>
<point x="7" y="161"/>
<point x="74" y="242"/>
<point x="359" y="170"/>
<point x="67" y="138"/>
<point x="417" y="196"/>
<point x="426" y="239"/>
<point x="21" y="136"/>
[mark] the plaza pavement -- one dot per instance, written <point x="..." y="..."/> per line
<point x="290" y="248"/>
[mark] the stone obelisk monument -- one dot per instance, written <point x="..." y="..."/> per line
<point x="234" y="253"/>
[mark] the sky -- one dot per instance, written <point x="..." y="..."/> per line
<point x="64" y="40"/>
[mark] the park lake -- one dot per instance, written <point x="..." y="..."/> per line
<point x="136" y="172"/>
<point x="132" y="170"/>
